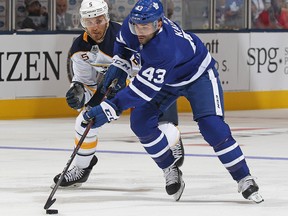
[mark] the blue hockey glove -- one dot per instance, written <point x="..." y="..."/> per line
<point x="101" y="114"/>
<point x="119" y="69"/>
<point x="75" y="96"/>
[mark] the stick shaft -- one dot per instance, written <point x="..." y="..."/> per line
<point x="76" y="149"/>
<point x="49" y="201"/>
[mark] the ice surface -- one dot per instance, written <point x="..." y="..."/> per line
<point x="126" y="182"/>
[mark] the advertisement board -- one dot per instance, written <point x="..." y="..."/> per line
<point x="267" y="58"/>
<point x="229" y="50"/>
<point x="253" y="69"/>
<point x="246" y="62"/>
<point x="34" y="66"/>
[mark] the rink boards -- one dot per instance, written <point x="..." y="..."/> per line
<point x="253" y="70"/>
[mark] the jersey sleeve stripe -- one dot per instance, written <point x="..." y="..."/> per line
<point x="138" y="92"/>
<point x="145" y="82"/>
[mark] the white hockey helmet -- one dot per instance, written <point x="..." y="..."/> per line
<point x="93" y="8"/>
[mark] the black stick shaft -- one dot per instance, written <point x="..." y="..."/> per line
<point x="50" y="199"/>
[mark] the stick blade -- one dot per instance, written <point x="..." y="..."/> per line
<point x="49" y="203"/>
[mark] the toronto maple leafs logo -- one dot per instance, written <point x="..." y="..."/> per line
<point x="156" y="5"/>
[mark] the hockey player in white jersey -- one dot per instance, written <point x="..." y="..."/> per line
<point x="174" y="63"/>
<point x="91" y="54"/>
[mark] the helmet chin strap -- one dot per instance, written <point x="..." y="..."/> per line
<point x="101" y="39"/>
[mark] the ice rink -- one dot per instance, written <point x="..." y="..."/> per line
<point x="126" y="182"/>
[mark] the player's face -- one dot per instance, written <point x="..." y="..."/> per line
<point x="145" y="32"/>
<point x="144" y="29"/>
<point x="96" y="27"/>
<point x="143" y="39"/>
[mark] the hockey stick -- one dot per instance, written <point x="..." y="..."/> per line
<point x="50" y="199"/>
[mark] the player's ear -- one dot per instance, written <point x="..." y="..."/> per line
<point x="159" y="24"/>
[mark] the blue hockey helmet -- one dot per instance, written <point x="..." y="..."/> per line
<point x="144" y="12"/>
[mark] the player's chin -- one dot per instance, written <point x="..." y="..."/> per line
<point x="142" y="39"/>
<point x="97" y="36"/>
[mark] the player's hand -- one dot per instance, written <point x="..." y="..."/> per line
<point x="101" y="114"/>
<point x="75" y="96"/>
<point x="112" y="73"/>
<point x="119" y="70"/>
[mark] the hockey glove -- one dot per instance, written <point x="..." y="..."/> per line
<point x="120" y="68"/>
<point x="75" y="96"/>
<point x="101" y="114"/>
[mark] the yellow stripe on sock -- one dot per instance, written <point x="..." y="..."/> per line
<point x="87" y="145"/>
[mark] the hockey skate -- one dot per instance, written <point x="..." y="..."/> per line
<point x="178" y="153"/>
<point x="174" y="182"/>
<point x="249" y="189"/>
<point x="76" y="176"/>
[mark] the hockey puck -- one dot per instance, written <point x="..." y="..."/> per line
<point x="51" y="211"/>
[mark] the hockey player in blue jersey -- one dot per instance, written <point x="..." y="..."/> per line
<point x="90" y="55"/>
<point x="174" y="63"/>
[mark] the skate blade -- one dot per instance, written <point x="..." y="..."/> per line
<point x="76" y="185"/>
<point x="178" y="194"/>
<point x="256" y="197"/>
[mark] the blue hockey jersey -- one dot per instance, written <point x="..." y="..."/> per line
<point x="173" y="57"/>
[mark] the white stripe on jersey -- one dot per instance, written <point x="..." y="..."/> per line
<point x="138" y="92"/>
<point x="200" y="71"/>
<point x="120" y="39"/>
<point x="217" y="102"/>
<point x="145" y="82"/>
<point x="187" y="36"/>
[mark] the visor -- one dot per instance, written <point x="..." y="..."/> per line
<point x="143" y="29"/>
<point x="94" y="21"/>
